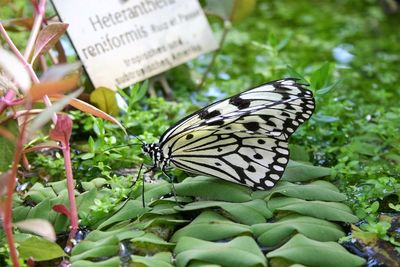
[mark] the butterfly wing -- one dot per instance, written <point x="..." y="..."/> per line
<point x="242" y="139"/>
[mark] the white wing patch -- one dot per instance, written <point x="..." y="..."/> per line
<point x="242" y="139"/>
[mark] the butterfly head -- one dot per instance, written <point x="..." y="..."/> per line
<point x="150" y="149"/>
<point x="155" y="153"/>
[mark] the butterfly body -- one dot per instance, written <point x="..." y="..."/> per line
<point x="241" y="139"/>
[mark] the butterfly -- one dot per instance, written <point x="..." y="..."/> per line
<point x="241" y="139"/>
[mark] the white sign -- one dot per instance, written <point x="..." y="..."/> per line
<point x="121" y="42"/>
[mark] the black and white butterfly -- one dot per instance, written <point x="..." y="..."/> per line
<point x="241" y="139"/>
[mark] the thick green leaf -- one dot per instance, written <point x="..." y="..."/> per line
<point x="38" y="193"/>
<point x="211" y="226"/>
<point x="324" y="210"/>
<point x="112" y="262"/>
<point x="58" y="186"/>
<point x="154" y="191"/>
<point x="162" y="259"/>
<point x="241" y="251"/>
<point x="92" y="250"/>
<point x="209" y="188"/>
<point x="20" y="213"/>
<point x="318" y="190"/>
<point x="162" y="207"/>
<point x="33" y="247"/>
<point x="272" y="234"/>
<point x="303" y="250"/>
<point x="249" y="213"/>
<point x="154" y="220"/>
<point x="41" y="210"/>
<point x="125" y="232"/>
<point x="152" y="242"/>
<point x="131" y="210"/>
<point x="300" y="171"/>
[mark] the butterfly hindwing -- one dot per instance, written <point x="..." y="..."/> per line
<point x="241" y="139"/>
<point x="251" y="159"/>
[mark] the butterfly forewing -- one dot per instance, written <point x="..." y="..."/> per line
<point x="242" y="139"/>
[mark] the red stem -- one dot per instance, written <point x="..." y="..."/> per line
<point x="70" y="184"/>
<point x="7" y="220"/>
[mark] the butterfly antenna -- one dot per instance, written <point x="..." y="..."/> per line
<point x="173" y="188"/>
<point x="137" y="137"/>
<point x="114" y="147"/>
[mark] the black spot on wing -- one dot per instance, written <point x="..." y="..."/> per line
<point x="205" y="115"/>
<point x="251" y="168"/>
<point x="252" y="126"/>
<point x="240" y="103"/>
<point x="216" y="123"/>
<point x="258" y="156"/>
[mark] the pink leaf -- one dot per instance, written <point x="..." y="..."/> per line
<point x="48" y="37"/>
<point x="62" y="130"/>
<point x="62" y="209"/>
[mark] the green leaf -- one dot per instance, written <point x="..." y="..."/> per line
<point x="241" y="251"/>
<point x="122" y="233"/>
<point x="153" y="220"/>
<point x="94" y="183"/>
<point x="320" y="77"/>
<point x="272" y="234"/>
<point x="104" y="99"/>
<point x="39" y="193"/>
<point x="111" y="262"/>
<point x="153" y="191"/>
<point x="318" y="190"/>
<point x="91" y="250"/>
<point x="324" y="90"/>
<point x="131" y="210"/>
<point x="58" y="186"/>
<point x="308" y="252"/>
<point x="85" y="200"/>
<point x="209" y="188"/>
<point x="139" y="91"/>
<point x="151" y="242"/>
<point x="324" y="210"/>
<point x="7" y="146"/>
<point x="249" y="213"/>
<point x="162" y="259"/>
<point x="33" y="247"/>
<point x="299" y="171"/>
<point x="299" y="153"/>
<point x="295" y="74"/>
<point x="211" y="226"/>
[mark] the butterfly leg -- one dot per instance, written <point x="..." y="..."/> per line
<point x="173" y="187"/>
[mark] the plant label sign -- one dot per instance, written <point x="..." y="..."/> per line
<point x="121" y="42"/>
